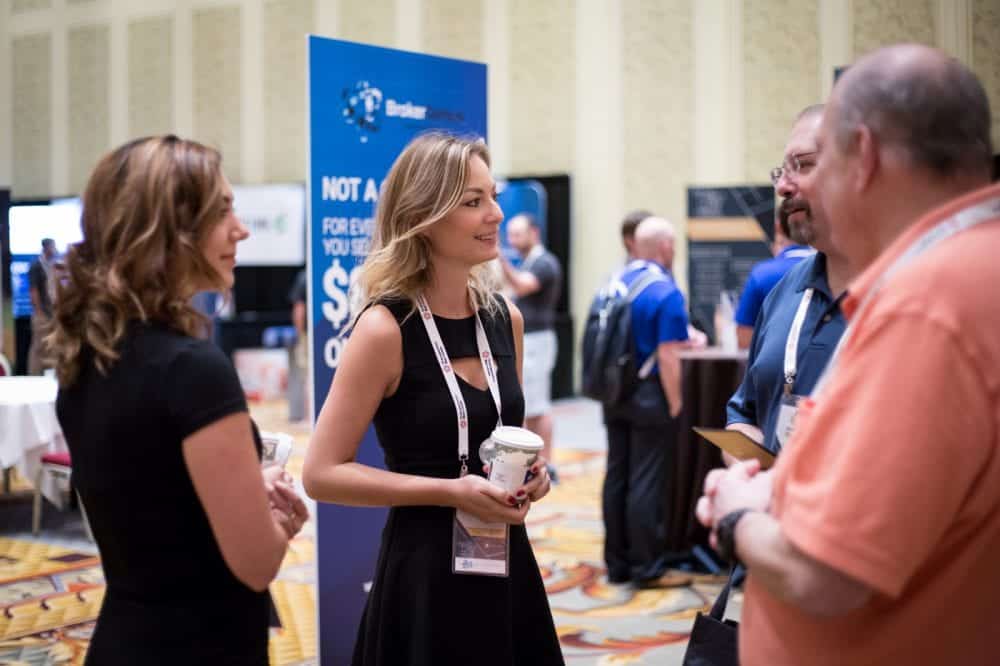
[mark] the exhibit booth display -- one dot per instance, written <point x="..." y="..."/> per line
<point x="6" y="317"/>
<point x="267" y="264"/>
<point x="365" y="104"/>
<point x="730" y="229"/>
<point x="547" y="198"/>
<point x="28" y="222"/>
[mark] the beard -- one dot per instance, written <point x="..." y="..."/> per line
<point x="801" y="231"/>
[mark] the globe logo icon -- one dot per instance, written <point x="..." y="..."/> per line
<point x="362" y="103"/>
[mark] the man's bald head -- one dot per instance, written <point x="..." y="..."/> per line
<point x="919" y="102"/>
<point x="654" y="241"/>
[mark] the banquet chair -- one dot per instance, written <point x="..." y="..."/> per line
<point x="58" y="465"/>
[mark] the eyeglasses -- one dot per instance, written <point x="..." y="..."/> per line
<point x="795" y="164"/>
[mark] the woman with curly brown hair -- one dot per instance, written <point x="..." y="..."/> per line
<point x="189" y="530"/>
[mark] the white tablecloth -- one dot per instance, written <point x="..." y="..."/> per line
<point x="29" y="428"/>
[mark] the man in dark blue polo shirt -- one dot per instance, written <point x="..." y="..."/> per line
<point x="800" y="322"/>
<point x="642" y="435"/>
<point x="764" y="276"/>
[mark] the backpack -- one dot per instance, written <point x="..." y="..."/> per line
<point x="611" y="371"/>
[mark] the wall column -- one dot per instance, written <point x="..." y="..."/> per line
<point x="953" y="28"/>
<point x="718" y="92"/>
<point x="836" y="49"/>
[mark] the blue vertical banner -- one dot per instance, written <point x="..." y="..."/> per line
<point x="365" y="104"/>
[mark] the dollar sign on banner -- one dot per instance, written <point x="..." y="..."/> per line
<point x="335" y="285"/>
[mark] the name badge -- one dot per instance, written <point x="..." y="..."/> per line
<point x="478" y="547"/>
<point x="787" y="411"/>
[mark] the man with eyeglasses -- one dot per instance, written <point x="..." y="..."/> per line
<point x="800" y="322"/>
<point x="875" y="538"/>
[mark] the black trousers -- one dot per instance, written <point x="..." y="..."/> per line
<point x="641" y="455"/>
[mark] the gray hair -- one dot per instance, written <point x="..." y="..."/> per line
<point x="651" y="232"/>
<point x="927" y="105"/>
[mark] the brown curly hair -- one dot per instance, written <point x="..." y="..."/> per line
<point x="146" y="209"/>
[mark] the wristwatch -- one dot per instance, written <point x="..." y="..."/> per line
<point x="725" y="534"/>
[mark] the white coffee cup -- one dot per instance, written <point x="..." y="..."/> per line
<point x="277" y="447"/>
<point x="510" y="451"/>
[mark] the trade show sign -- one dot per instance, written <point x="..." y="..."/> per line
<point x="729" y="231"/>
<point x="275" y="215"/>
<point x="365" y="104"/>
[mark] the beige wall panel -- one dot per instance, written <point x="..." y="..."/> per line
<point x="369" y="21"/>
<point x="32" y="110"/>
<point x="151" y="76"/>
<point x="542" y="87"/>
<point x="880" y="23"/>
<point x="216" y="73"/>
<point x="286" y="23"/>
<point x="986" y="56"/>
<point x="658" y="112"/>
<point x="779" y="77"/>
<point x="453" y="28"/>
<point x="18" y="6"/>
<point x="87" y="70"/>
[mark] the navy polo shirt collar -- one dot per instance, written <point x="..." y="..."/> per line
<point x="815" y="277"/>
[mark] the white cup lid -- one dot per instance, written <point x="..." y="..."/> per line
<point x="519" y="438"/>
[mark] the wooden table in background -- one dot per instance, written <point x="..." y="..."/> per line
<point x="710" y="377"/>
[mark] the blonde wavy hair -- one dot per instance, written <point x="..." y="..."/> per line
<point x="424" y="185"/>
<point x="146" y="209"/>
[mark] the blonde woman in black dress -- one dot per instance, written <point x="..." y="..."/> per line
<point x="437" y="228"/>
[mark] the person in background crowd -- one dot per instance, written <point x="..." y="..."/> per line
<point x="874" y="539"/>
<point x="430" y="309"/>
<point x="696" y="338"/>
<point x="298" y="362"/>
<point x="537" y="285"/>
<point x="189" y="529"/>
<point x="765" y="275"/>
<point x="642" y="435"/>
<point x="815" y="284"/>
<point x="40" y="285"/>
<point x="629" y="223"/>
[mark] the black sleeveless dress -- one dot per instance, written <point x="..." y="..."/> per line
<point x="418" y="611"/>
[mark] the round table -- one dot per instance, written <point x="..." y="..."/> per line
<point x="29" y="428"/>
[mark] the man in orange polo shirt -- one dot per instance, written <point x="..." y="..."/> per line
<point x="876" y="538"/>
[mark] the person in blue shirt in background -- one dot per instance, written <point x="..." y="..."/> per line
<point x="764" y="276"/>
<point x="805" y="304"/>
<point x="642" y="434"/>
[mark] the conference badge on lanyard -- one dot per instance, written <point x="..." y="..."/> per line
<point x="788" y="407"/>
<point x="478" y="547"/>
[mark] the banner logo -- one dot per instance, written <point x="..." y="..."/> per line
<point x="362" y="104"/>
<point x="365" y="107"/>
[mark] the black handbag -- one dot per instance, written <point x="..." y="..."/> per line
<point x="714" y="640"/>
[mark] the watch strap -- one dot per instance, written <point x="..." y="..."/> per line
<point x="725" y="534"/>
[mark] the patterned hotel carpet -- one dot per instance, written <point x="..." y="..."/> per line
<point x="50" y="595"/>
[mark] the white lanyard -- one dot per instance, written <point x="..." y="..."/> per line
<point x="964" y="219"/>
<point x="444" y="361"/>
<point x="792" y="343"/>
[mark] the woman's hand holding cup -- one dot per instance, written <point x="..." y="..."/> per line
<point x="477" y="496"/>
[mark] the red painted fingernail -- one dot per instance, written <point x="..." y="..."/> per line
<point x="510" y="500"/>
<point x="520" y="493"/>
